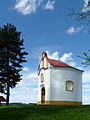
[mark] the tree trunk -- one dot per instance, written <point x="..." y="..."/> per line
<point x="7" y="98"/>
<point x="8" y="82"/>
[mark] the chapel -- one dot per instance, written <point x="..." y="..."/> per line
<point x="59" y="83"/>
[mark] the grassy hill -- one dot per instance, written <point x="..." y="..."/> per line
<point x="34" y="112"/>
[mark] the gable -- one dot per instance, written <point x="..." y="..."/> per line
<point x="46" y="62"/>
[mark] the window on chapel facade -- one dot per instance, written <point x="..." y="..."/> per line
<point x="69" y="85"/>
<point x="42" y="77"/>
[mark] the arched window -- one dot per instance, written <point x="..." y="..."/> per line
<point x="69" y="85"/>
<point x="42" y="77"/>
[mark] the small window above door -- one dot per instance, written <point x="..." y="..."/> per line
<point x="42" y="77"/>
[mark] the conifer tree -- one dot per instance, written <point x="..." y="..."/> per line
<point x="12" y="54"/>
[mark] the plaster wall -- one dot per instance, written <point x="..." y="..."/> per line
<point x="58" y="78"/>
<point x="46" y="84"/>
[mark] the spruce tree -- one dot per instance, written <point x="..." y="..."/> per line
<point x="12" y="54"/>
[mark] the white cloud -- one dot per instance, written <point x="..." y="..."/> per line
<point x="49" y="5"/>
<point x="39" y="2"/>
<point x="86" y="7"/>
<point x="27" y="6"/>
<point x="37" y="52"/>
<point x="67" y="57"/>
<point x="86" y="77"/>
<point x="25" y="69"/>
<point x="29" y="80"/>
<point x="24" y="95"/>
<point x="81" y="68"/>
<point x="72" y="63"/>
<point x="54" y="55"/>
<point x="72" y="30"/>
<point x="27" y="89"/>
<point x="86" y="100"/>
<point x="30" y="6"/>
<point x="86" y="87"/>
<point x="86" y="2"/>
<point x="30" y="76"/>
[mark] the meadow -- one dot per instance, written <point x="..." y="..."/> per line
<point x="43" y="112"/>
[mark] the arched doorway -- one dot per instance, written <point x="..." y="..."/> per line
<point x="42" y="95"/>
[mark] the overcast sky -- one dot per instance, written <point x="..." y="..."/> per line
<point x="46" y="26"/>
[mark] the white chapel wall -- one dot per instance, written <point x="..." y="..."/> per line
<point x="58" y="78"/>
<point x="46" y="84"/>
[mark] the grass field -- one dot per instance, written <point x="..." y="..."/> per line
<point x="34" y="112"/>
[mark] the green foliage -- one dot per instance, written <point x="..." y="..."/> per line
<point x="34" y="112"/>
<point x="11" y="57"/>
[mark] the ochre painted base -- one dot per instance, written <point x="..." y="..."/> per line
<point x="60" y="103"/>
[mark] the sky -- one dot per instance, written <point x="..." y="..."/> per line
<point x="46" y="26"/>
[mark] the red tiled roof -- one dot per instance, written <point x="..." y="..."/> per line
<point x="57" y="63"/>
<point x="2" y="98"/>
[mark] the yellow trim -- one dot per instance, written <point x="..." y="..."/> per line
<point x="47" y="64"/>
<point x="42" y="77"/>
<point x="60" y="103"/>
<point x="42" y="54"/>
<point x="72" y="85"/>
<point x="42" y="62"/>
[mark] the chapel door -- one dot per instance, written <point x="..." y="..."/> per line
<point x="43" y="95"/>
